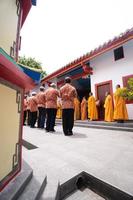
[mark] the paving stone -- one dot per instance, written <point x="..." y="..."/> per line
<point x="84" y="195"/>
<point x="106" y="154"/>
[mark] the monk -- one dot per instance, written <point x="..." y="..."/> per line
<point x="59" y="109"/>
<point x="76" y="108"/>
<point x="108" y="105"/>
<point x="84" y="109"/>
<point x="92" y="109"/>
<point x="120" y="110"/>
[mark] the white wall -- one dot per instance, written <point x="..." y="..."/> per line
<point x="105" y="68"/>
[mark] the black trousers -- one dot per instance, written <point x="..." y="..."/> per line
<point x="33" y="118"/>
<point x="41" y="117"/>
<point x="51" y="115"/>
<point x="67" y="120"/>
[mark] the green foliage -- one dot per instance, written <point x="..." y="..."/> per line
<point x="32" y="63"/>
<point x="128" y="91"/>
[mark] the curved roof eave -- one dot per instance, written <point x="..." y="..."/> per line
<point x="115" y="42"/>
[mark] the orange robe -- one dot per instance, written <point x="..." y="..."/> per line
<point x="120" y="110"/>
<point x="92" y="109"/>
<point x="83" y="109"/>
<point x="108" y="105"/>
<point x="59" y="111"/>
<point x="76" y="108"/>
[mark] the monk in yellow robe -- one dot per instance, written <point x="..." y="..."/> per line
<point x="59" y="110"/>
<point x="120" y="110"/>
<point x="76" y="108"/>
<point x="84" y="109"/>
<point x="92" y="109"/>
<point x="108" y="105"/>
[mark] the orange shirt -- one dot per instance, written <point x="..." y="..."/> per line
<point x="51" y="95"/>
<point x="41" y="99"/>
<point x="32" y="104"/>
<point x="68" y="93"/>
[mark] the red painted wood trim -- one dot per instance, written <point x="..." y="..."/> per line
<point x="104" y="83"/>
<point x="13" y="176"/>
<point x="124" y="78"/>
<point x="11" y="73"/>
<point x="26" y="6"/>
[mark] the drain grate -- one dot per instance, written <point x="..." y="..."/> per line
<point x="28" y="145"/>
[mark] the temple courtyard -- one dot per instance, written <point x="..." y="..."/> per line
<point x="105" y="154"/>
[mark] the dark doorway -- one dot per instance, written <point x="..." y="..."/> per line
<point x="101" y="89"/>
<point x="82" y="86"/>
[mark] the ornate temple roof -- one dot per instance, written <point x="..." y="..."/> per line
<point x="114" y="43"/>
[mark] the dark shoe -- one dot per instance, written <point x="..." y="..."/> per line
<point x="46" y="130"/>
<point x="70" y="133"/>
<point x="52" y="130"/>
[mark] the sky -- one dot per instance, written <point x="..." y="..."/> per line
<point x="56" y="32"/>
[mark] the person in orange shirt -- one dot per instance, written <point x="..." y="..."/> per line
<point x="108" y="105"/>
<point x="33" y="109"/>
<point x="25" y="110"/>
<point x="92" y="109"/>
<point x="51" y="95"/>
<point x="84" y="109"/>
<point x="67" y="94"/>
<point x="41" y="99"/>
<point x="120" y="110"/>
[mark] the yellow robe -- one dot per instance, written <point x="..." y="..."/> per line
<point x="108" y="105"/>
<point x="120" y="110"/>
<point x="84" y="109"/>
<point x="59" y="111"/>
<point x="92" y="109"/>
<point x="76" y="108"/>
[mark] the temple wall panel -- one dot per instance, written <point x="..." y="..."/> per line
<point x="8" y="24"/>
<point x="10" y="107"/>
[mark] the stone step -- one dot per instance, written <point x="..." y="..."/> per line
<point x="50" y="192"/>
<point x="107" y="126"/>
<point x="34" y="189"/>
<point x="86" y="194"/>
<point x="15" y="188"/>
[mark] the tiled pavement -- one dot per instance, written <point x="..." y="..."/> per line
<point x="85" y="195"/>
<point x="106" y="154"/>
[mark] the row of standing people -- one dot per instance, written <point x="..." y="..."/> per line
<point x="45" y="104"/>
<point x="89" y="109"/>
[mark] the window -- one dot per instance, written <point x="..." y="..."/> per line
<point x="118" y="53"/>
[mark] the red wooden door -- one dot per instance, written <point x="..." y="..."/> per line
<point x="101" y="89"/>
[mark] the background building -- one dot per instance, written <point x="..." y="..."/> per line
<point x="100" y="70"/>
